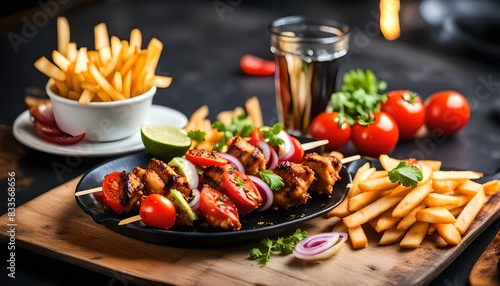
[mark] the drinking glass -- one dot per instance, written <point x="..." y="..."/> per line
<point x="307" y="55"/>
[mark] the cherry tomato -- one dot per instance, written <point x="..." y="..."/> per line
<point x="298" y="154"/>
<point x="255" y="136"/>
<point x="218" y="210"/>
<point x="111" y="191"/>
<point x="407" y="109"/>
<point x="446" y="111"/>
<point x="252" y="65"/>
<point x="326" y="126"/>
<point x="241" y="190"/>
<point x="158" y="211"/>
<point x="377" y="137"/>
<point x="203" y="158"/>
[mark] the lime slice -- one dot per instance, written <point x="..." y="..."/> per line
<point x="165" y="142"/>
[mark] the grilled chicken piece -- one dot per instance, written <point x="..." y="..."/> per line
<point x="251" y="157"/>
<point x="297" y="178"/>
<point x="326" y="172"/>
<point x="212" y="176"/>
<point x="171" y="179"/>
<point x="153" y="184"/>
<point x="132" y="190"/>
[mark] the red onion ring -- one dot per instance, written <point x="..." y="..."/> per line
<point x="194" y="203"/>
<point x="233" y="161"/>
<point x="269" y="154"/>
<point x="320" y="246"/>
<point x="286" y="149"/>
<point x="265" y="192"/>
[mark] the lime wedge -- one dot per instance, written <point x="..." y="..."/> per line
<point x="165" y="142"/>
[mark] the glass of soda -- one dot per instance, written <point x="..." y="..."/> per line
<point x="307" y="55"/>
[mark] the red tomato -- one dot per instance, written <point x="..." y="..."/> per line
<point x="218" y="210"/>
<point x="298" y="154"/>
<point x="158" y="211"/>
<point x="43" y="114"/>
<point x="203" y="158"/>
<point x="64" y="139"/>
<point x="241" y="190"/>
<point x="446" y="111"/>
<point x="46" y="127"/>
<point x="407" y="109"/>
<point x="378" y="137"/>
<point x="252" y="65"/>
<point x="326" y="126"/>
<point x="111" y="191"/>
<point x="255" y="136"/>
<point x="52" y="131"/>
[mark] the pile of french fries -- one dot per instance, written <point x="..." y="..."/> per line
<point x="445" y="202"/>
<point x="199" y="121"/>
<point x="115" y="70"/>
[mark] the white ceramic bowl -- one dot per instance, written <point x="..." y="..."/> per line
<point x="101" y="121"/>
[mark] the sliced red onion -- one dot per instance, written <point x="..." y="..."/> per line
<point x="233" y="161"/>
<point x="265" y="192"/>
<point x="194" y="203"/>
<point x="286" y="149"/>
<point x="320" y="246"/>
<point x="269" y="154"/>
<point x="273" y="160"/>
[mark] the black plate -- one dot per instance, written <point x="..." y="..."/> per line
<point x="255" y="225"/>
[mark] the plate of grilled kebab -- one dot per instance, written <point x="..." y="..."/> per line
<point x="323" y="188"/>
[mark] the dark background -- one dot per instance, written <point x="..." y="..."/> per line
<point x="452" y="45"/>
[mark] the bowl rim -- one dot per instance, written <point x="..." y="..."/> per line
<point x="141" y="97"/>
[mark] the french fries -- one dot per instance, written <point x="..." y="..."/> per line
<point x="115" y="70"/>
<point x="444" y="203"/>
<point x="199" y="121"/>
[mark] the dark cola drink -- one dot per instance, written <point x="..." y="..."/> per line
<point x="308" y="54"/>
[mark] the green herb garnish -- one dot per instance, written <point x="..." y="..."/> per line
<point x="406" y="175"/>
<point x="271" y="134"/>
<point x="273" y="180"/>
<point x="240" y="125"/>
<point x="359" y="96"/>
<point x="281" y="246"/>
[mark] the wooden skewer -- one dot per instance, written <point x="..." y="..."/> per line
<point x="314" y="144"/>
<point x="130" y="220"/>
<point x="350" y="159"/>
<point x="89" y="191"/>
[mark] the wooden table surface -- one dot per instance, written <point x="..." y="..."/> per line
<point x="63" y="231"/>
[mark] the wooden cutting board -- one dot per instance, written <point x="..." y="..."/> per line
<point x="53" y="225"/>
<point x="485" y="270"/>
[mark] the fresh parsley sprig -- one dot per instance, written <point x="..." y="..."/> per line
<point x="281" y="246"/>
<point x="271" y="134"/>
<point x="406" y="175"/>
<point x="273" y="180"/>
<point x="240" y="125"/>
<point x="359" y="96"/>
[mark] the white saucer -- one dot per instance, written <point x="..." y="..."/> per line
<point x="25" y="133"/>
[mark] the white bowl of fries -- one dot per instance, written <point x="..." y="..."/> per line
<point x="105" y="92"/>
<point x="101" y="121"/>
